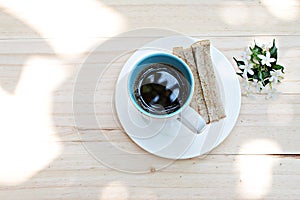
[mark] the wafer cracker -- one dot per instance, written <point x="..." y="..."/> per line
<point x="199" y="100"/>
<point x="201" y="52"/>
<point x="178" y="51"/>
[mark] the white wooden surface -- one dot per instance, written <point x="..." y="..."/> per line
<point x="42" y="46"/>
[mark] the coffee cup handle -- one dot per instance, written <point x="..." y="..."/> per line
<point x="192" y="120"/>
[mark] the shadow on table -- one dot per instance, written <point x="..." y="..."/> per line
<point x="39" y="145"/>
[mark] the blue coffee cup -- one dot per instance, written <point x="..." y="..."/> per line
<point x="186" y="114"/>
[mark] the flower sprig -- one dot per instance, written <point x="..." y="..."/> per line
<point x="259" y="68"/>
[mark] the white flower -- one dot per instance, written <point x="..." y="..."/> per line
<point x="272" y="93"/>
<point x="245" y="83"/>
<point x="247" y="67"/>
<point x="247" y="88"/>
<point x="266" y="60"/>
<point x="257" y="85"/>
<point x="276" y="76"/>
<point x="247" y="54"/>
<point x="265" y="46"/>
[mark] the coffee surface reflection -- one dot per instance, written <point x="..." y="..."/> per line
<point x="161" y="89"/>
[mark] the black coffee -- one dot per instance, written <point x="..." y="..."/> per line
<point x="161" y="89"/>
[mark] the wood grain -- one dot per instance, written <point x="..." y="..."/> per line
<point x="192" y="18"/>
<point x="264" y="144"/>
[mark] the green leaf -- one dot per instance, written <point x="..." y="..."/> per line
<point x="260" y="75"/>
<point x="265" y="82"/>
<point x="265" y="74"/>
<point x="250" y="77"/>
<point x="273" y="50"/>
<point x="256" y="49"/>
<point x="239" y="62"/>
<point x="240" y="74"/>
<point x="255" y="76"/>
<point x="278" y="67"/>
<point x="256" y="58"/>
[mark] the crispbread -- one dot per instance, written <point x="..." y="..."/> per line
<point x="178" y="51"/>
<point x="206" y="99"/>
<point x="198" y="99"/>
<point x="201" y="52"/>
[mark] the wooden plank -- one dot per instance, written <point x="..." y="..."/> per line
<point x="280" y="137"/>
<point x="187" y="179"/>
<point x="14" y="54"/>
<point x="205" y="17"/>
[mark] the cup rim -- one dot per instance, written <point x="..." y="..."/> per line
<point x="187" y="102"/>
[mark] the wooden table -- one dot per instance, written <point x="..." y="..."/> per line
<point x="42" y="46"/>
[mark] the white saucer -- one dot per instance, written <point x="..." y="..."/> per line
<point x="171" y="139"/>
